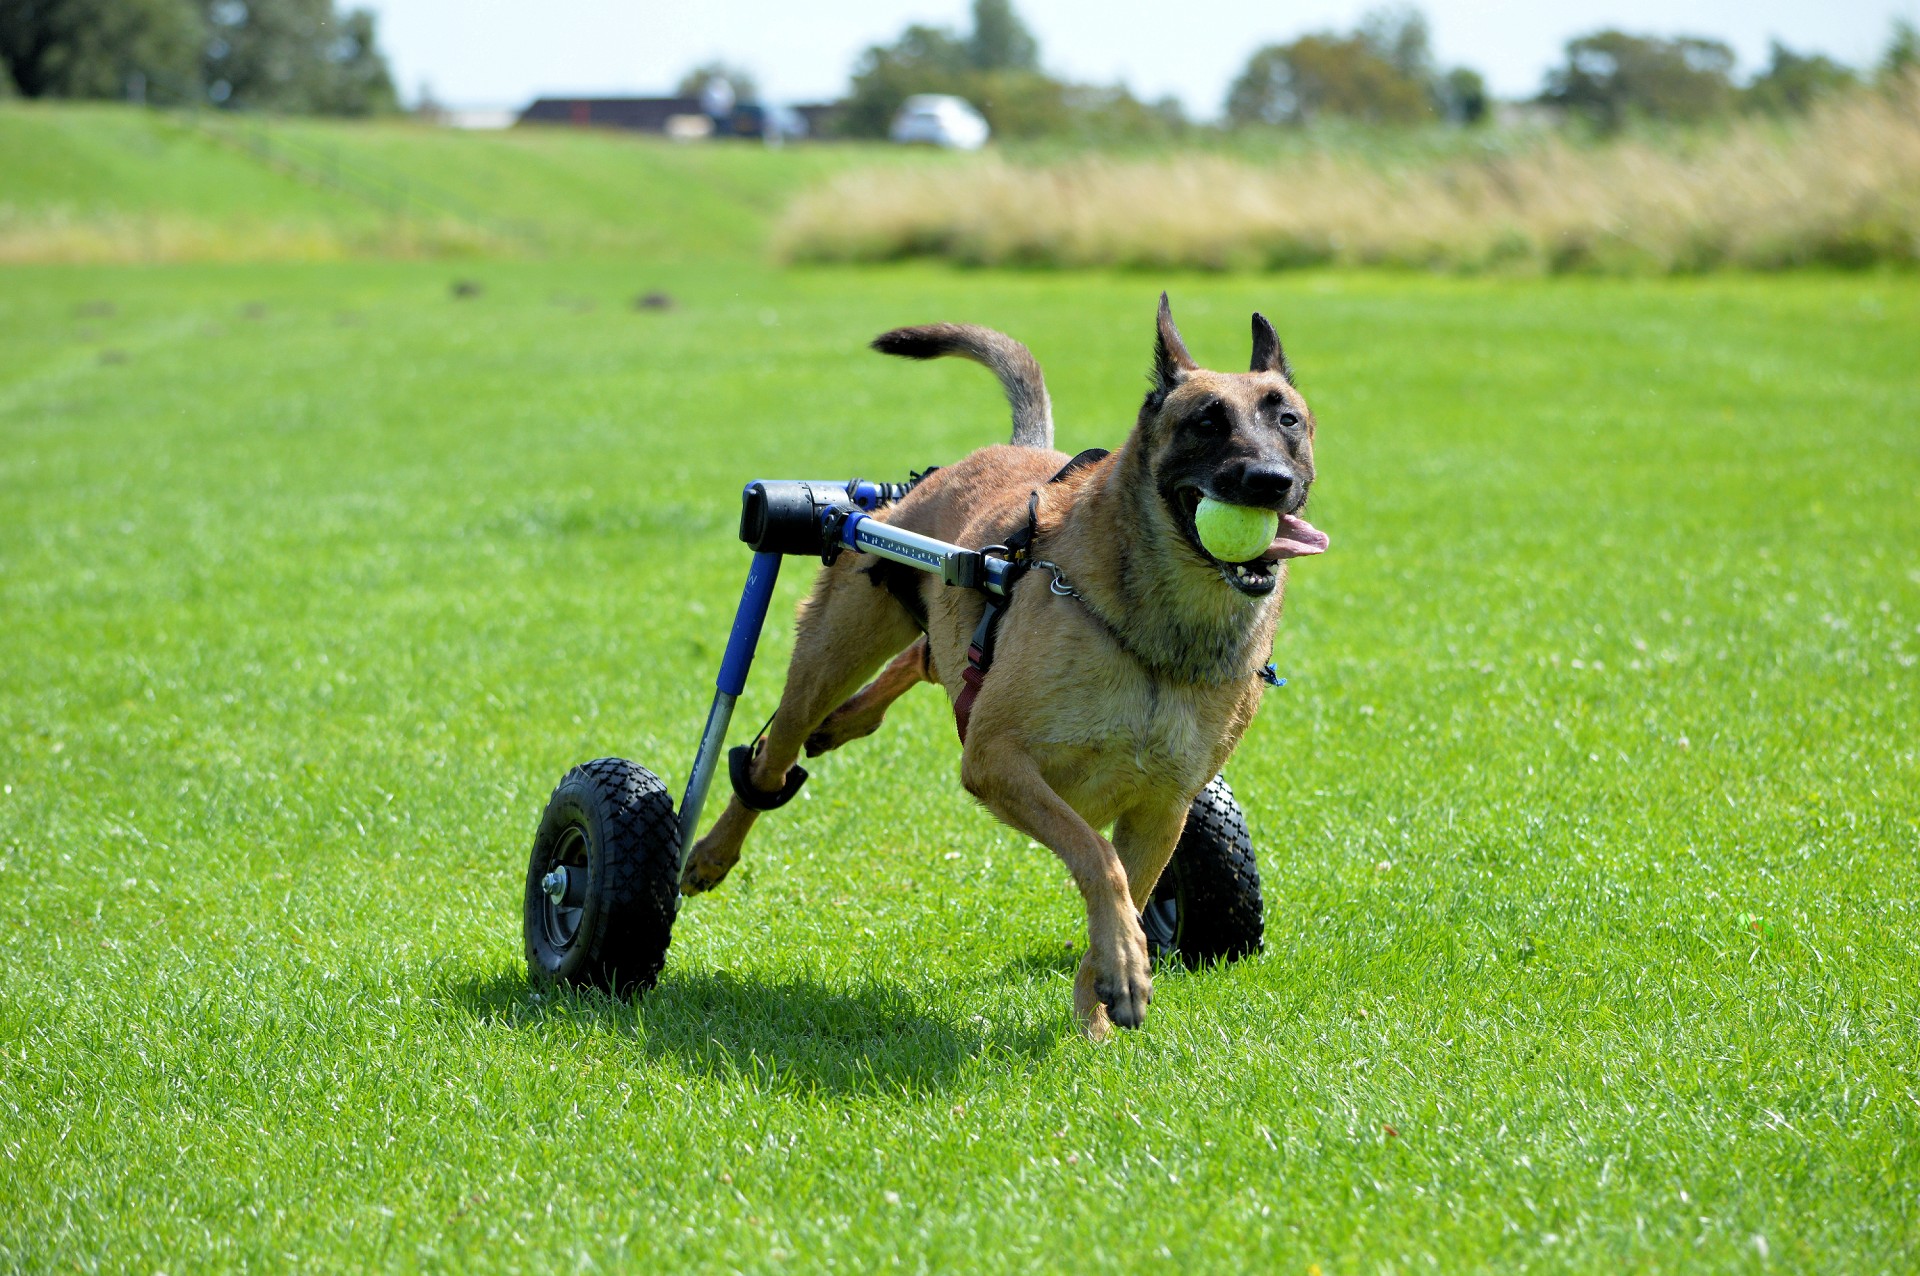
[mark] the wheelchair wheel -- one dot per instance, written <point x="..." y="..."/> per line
<point x="603" y="880"/>
<point x="1206" y="906"/>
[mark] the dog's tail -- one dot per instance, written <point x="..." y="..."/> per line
<point x="1012" y="362"/>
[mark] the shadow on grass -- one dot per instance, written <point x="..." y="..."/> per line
<point x="1046" y="963"/>
<point x="795" y="1033"/>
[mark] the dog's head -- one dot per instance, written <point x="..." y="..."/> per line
<point x="1245" y="438"/>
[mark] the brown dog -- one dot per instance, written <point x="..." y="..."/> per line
<point x="1107" y="707"/>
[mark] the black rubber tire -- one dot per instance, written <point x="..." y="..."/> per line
<point x="1206" y="906"/>
<point x="615" y="819"/>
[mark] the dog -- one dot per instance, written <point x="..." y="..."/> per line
<point x="1116" y="694"/>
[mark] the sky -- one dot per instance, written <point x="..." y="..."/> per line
<point x="498" y="53"/>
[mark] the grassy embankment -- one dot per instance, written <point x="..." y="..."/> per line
<point x="1588" y="820"/>
<point x="1840" y="188"/>
<point x="107" y="184"/>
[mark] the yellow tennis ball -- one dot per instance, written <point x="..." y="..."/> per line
<point x="1234" y="533"/>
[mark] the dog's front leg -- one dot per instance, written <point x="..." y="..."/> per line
<point x="1115" y="981"/>
<point x="1145" y="836"/>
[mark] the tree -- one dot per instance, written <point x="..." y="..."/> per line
<point x="361" y="83"/>
<point x="284" y="55"/>
<point x="1400" y="36"/>
<point x="1100" y="114"/>
<point x="1000" y="40"/>
<point x="1383" y="72"/>
<point x="923" y="60"/>
<point x="297" y="56"/>
<point x="1463" y="96"/>
<point x="694" y="83"/>
<point x="1793" y="81"/>
<point x="995" y="66"/>
<point x="101" y="48"/>
<point x="1903" y="52"/>
<point x="1325" y="74"/>
<point x="1611" y="77"/>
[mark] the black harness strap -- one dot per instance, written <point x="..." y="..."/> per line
<point x="1019" y="551"/>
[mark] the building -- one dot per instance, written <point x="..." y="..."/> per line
<point x="641" y="114"/>
<point x="684" y="117"/>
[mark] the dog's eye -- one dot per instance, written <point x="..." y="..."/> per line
<point x="1211" y="419"/>
<point x="1276" y="403"/>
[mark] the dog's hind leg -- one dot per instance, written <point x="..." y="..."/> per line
<point x="846" y="629"/>
<point x="861" y="716"/>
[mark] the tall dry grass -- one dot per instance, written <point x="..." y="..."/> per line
<point x="1840" y="187"/>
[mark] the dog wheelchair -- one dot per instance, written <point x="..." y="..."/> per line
<point x="603" y="880"/>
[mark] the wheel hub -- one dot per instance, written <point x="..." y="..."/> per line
<point x="565" y="889"/>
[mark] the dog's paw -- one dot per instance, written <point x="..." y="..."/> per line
<point x="705" y="870"/>
<point x="1113" y="993"/>
<point x="1124" y="981"/>
<point x="1125" y="998"/>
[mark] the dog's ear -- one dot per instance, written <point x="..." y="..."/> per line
<point x="1171" y="362"/>
<point x="1267" y="354"/>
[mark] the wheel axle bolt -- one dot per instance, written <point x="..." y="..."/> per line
<point x="555" y="885"/>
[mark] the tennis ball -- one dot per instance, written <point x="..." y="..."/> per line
<point x="1234" y="533"/>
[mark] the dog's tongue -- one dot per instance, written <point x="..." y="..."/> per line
<point x="1297" y="539"/>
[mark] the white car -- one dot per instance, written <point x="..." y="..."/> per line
<point x="942" y="120"/>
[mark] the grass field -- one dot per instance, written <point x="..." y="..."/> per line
<point x="1588" y="819"/>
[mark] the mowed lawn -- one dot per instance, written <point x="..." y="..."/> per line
<point x="1588" y="819"/>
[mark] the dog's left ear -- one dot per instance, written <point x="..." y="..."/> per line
<point x="1171" y="362"/>
<point x="1267" y="354"/>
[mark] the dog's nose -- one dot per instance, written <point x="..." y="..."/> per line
<point x="1262" y="484"/>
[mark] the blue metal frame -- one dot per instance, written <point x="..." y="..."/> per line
<point x="748" y="619"/>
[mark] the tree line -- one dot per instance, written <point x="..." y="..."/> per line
<point x="1382" y="72"/>
<point x="296" y="56"/>
<point x="305" y="56"/>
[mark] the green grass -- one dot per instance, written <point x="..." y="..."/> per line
<point x="1588" y="820"/>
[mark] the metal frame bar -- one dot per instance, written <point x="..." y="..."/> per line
<point x="942" y="558"/>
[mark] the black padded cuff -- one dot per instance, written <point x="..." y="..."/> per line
<point x="740" y="770"/>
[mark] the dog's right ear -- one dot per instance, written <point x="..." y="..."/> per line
<point x="1171" y="362"/>
<point x="1267" y="354"/>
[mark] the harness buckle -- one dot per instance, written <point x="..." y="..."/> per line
<point x="966" y="569"/>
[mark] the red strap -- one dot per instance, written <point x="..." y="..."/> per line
<point x="974" y="676"/>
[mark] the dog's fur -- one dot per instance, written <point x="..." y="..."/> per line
<point x="1108" y="711"/>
